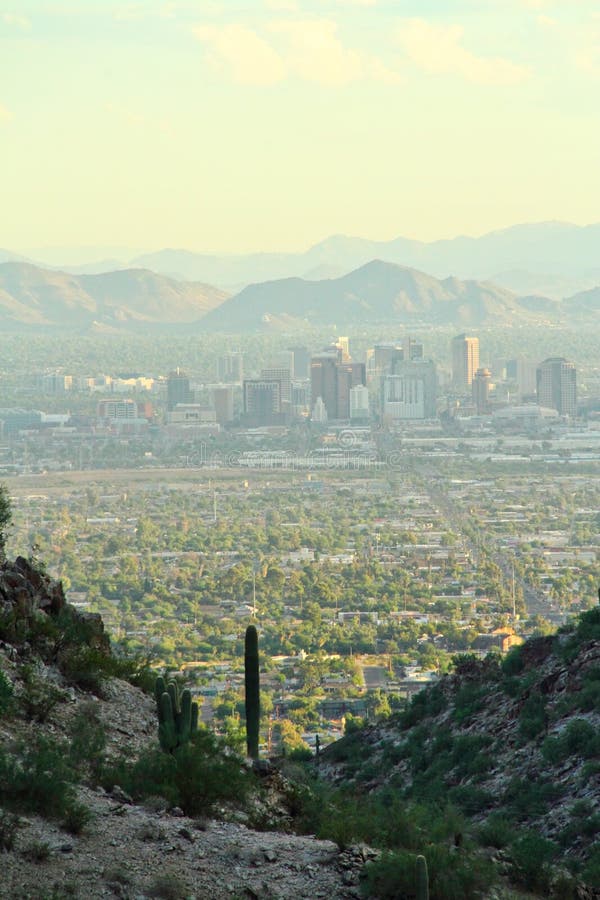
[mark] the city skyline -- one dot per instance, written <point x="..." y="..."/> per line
<point x="271" y="125"/>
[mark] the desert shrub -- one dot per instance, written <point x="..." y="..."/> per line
<point x="532" y="857"/>
<point x="452" y="876"/>
<point x="37" y="851"/>
<point x="587" y="629"/>
<point x="428" y="702"/>
<point x="196" y="777"/>
<point x="75" y="817"/>
<point x="524" y="797"/>
<point x="6" y="695"/>
<point x="497" y="831"/>
<point x="513" y="664"/>
<point x="39" y="696"/>
<point x="468" y="700"/>
<point x="9" y="825"/>
<point x="470" y="799"/>
<point x="533" y="718"/>
<point x="37" y="778"/>
<point x="87" y="740"/>
<point x="168" y="887"/>
<point x="591" y="871"/>
<point x="579" y="738"/>
<point x="86" y="667"/>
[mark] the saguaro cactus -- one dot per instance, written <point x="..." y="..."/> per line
<point x="252" y="685"/>
<point x="422" y="879"/>
<point x="177" y="715"/>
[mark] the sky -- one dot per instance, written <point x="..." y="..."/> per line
<point x="268" y="125"/>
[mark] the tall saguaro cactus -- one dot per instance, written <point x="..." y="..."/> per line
<point x="177" y="715"/>
<point x="252" y="685"/>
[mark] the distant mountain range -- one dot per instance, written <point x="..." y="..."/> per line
<point x="377" y="292"/>
<point x="45" y="299"/>
<point x="556" y="259"/>
<point x="374" y="294"/>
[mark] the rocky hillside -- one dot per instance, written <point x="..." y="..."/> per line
<point x="67" y="829"/>
<point x="492" y="774"/>
<point x="514" y="745"/>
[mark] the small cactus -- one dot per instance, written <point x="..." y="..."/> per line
<point x="177" y="715"/>
<point x="422" y="879"/>
<point x="252" y="686"/>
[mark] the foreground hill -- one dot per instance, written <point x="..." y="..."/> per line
<point x="35" y="297"/>
<point x="514" y="745"/>
<point x="377" y="292"/>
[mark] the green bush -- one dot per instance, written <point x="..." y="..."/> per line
<point x="39" y="697"/>
<point x="6" y="695"/>
<point x="87" y="740"/>
<point x="37" y="778"/>
<point x="513" y="664"/>
<point x="196" y="776"/>
<point x="533" y="718"/>
<point x="526" y="798"/>
<point x="532" y="857"/>
<point x="579" y="738"/>
<point x="591" y="871"/>
<point x="497" y="831"/>
<point x="468" y="701"/>
<point x="452" y="876"/>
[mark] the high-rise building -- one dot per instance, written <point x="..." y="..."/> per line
<point x="465" y="361"/>
<point x="262" y="402"/>
<point x="178" y="389"/>
<point x="301" y="358"/>
<point x="411" y="392"/>
<point x="359" y="403"/>
<point x="481" y="390"/>
<point x="332" y="379"/>
<point x="557" y="385"/>
<point x="230" y="368"/>
<point x="283" y="376"/>
<point x="223" y="404"/>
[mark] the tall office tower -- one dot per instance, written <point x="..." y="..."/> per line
<point x="323" y="381"/>
<point x="223" y="403"/>
<point x="557" y="385"/>
<point x="283" y="375"/>
<point x="359" y="404"/>
<point x="301" y="363"/>
<point x="383" y="357"/>
<point x="413" y="349"/>
<point x="343" y="344"/>
<point x="262" y="401"/>
<point x="178" y="389"/>
<point x="332" y="379"/>
<point x="465" y="361"/>
<point x="411" y="392"/>
<point x="230" y="368"/>
<point x="481" y="390"/>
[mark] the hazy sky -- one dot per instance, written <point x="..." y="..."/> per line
<point x="270" y="124"/>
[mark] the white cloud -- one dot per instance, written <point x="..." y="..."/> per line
<point x="314" y="52"/>
<point x="16" y="20"/>
<point x="281" y="5"/>
<point x="438" y="49"/>
<point x="308" y="49"/>
<point x="238" y="50"/>
<point x="5" y="115"/>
